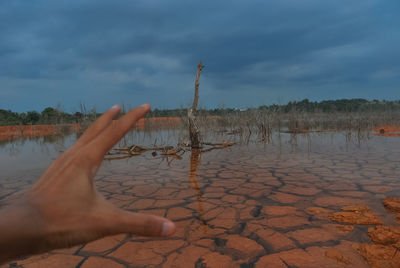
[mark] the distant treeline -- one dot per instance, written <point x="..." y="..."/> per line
<point x="342" y="105"/>
<point x="327" y="106"/>
<point x="55" y="116"/>
<point x="48" y="116"/>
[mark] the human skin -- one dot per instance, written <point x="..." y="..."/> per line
<point x="64" y="208"/>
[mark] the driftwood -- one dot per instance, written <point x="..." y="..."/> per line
<point x="221" y="144"/>
<point x="134" y="150"/>
<point x="167" y="151"/>
<point x="118" y="157"/>
<point x="137" y="149"/>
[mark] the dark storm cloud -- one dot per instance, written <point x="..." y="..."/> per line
<point x="102" y="51"/>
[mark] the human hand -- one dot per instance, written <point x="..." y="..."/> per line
<point x="64" y="208"/>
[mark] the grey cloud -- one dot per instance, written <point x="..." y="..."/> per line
<point x="256" y="45"/>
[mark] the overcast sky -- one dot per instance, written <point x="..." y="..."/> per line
<point x="255" y="52"/>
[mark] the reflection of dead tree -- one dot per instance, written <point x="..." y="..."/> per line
<point x="194" y="162"/>
<point x="193" y="127"/>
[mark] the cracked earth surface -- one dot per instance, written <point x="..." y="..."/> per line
<point x="247" y="206"/>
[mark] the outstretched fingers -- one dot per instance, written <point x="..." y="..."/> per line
<point x="114" y="132"/>
<point x="90" y="134"/>
<point x="98" y="126"/>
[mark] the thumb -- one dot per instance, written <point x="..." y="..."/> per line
<point x="143" y="224"/>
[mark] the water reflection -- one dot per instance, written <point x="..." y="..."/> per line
<point x="193" y="177"/>
<point x="22" y="156"/>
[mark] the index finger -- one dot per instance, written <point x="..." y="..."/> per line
<point x="115" y="131"/>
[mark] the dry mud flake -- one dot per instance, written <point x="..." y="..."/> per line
<point x="355" y="215"/>
<point x="345" y="228"/>
<point x="193" y="256"/>
<point x="311" y="235"/>
<point x="342" y="255"/>
<point x="275" y="240"/>
<point x="104" y="244"/>
<point x="99" y="262"/>
<point x="286" y="222"/>
<point x="380" y="256"/>
<point x="333" y="201"/>
<point x="50" y="260"/>
<point x="146" y="253"/>
<point x="385" y="235"/>
<point x="392" y="204"/>
<point x="318" y="212"/>
<point x="274" y="211"/>
<point x="244" y="247"/>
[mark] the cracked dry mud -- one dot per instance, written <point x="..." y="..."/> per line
<point x="248" y="206"/>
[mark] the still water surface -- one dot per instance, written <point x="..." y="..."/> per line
<point x="250" y="205"/>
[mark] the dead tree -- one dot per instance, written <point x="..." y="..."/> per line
<point x="176" y="152"/>
<point x="194" y="131"/>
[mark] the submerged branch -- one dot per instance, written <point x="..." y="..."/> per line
<point x="167" y="151"/>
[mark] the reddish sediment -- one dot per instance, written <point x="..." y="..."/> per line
<point x="389" y="131"/>
<point x="26" y="131"/>
<point x="16" y="132"/>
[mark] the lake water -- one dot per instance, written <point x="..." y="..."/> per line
<point x="250" y="205"/>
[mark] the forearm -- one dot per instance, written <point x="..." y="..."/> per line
<point x="21" y="232"/>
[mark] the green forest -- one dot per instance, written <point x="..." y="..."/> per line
<point x="54" y="116"/>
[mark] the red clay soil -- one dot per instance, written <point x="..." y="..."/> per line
<point x="15" y="132"/>
<point x="391" y="131"/>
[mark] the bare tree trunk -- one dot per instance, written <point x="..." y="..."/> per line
<point x="193" y="128"/>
